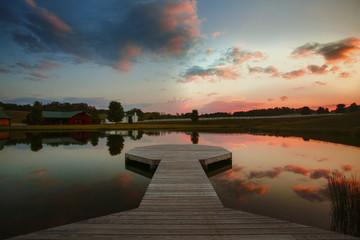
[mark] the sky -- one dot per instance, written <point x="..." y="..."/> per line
<point x="174" y="56"/>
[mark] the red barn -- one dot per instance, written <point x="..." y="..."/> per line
<point x="65" y="118"/>
<point x="5" y="120"/>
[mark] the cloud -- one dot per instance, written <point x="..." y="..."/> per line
<point x="212" y="94"/>
<point x="317" y="69"/>
<point x="164" y="28"/>
<point x="293" y="74"/>
<point x="343" y="50"/>
<point x="211" y="74"/>
<point x="270" y="173"/>
<point x="44" y="65"/>
<point x="312" y="194"/>
<point x="296" y="169"/>
<point x="128" y="55"/>
<point x="320" y="173"/>
<point x="344" y="74"/>
<point x="4" y="70"/>
<point x="209" y="51"/>
<point x="271" y="99"/>
<point x="269" y="69"/>
<point x="284" y="98"/>
<point x="40" y="75"/>
<point x="320" y="83"/>
<point x="216" y="34"/>
<point x="237" y="56"/>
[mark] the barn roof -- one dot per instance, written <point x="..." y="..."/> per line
<point x="50" y="114"/>
<point x="3" y="115"/>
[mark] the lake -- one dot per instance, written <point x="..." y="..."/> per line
<point x="50" y="179"/>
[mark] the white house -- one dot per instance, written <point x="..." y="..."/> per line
<point x="130" y="118"/>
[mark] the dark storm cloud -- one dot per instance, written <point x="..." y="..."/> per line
<point x="164" y="28"/>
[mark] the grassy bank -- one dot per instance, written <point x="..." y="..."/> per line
<point x="344" y="129"/>
<point x="347" y="124"/>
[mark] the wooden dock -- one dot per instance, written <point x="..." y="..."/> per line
<point x="180" y="203"/>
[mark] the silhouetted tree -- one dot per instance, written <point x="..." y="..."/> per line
<point x="354" y="107"/>
<point x="194" y="137"/>
<point x="36" y="113"/>
<point x="194" y="115"/>
<point x="116" y="112"/>
<point x="115" y="144"/>
<point x="94" y="116"/>
<point x="305" y="111"/>
<point x="340" y="108"/>
<point x="320" y="110"/>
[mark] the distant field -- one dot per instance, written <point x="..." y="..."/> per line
<point x="16" y="116"/>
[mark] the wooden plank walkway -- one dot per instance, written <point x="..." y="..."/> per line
<point x="180" y="203"/>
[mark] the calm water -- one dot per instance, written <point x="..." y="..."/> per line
<point x="50" y="179"/>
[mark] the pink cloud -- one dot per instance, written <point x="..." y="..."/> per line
<point x="4" y="70"/>
<point x="284" y="98"/>
<point x="296" y="169"/>
<point x="271" y="99"/>
<point x="176" y="15"/>
<point x="209" y="51"/>
<point x="46" y="65"/>
<point x="344" y="74"/>
<point x="56" y="24"/>
<point x="216" y="34"/>
<point x="128" y="54"/>
<point x="320" y="83"/>
<point x="40" y="75"/>
<point x="294" y="74"/>
<point x="31" y="3"/>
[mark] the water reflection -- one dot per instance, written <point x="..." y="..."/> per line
<point x="115" y="139"/>
<point x="280" y="177"/>
<point x="195" y="137"/>
<point x="115" y="144"/>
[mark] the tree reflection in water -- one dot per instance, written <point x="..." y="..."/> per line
<point x="345" y="204"/>
<point x="36" y="142"/>
<point x="195" y="137"/>
<point x="115" y="144"/>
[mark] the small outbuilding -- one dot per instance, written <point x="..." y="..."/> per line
<point x="130" y="118"/>
<point x="5" y="120"/>
<point x="65" y="118"/>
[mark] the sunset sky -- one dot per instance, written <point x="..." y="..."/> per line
<point x="175" y="56"/>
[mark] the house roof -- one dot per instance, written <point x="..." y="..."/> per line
<point x="3" y="114"/>
<point x="50" y="114"/>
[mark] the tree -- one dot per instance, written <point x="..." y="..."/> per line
<point x="340" y="108"/>
<point x="94" y="116"/>
<point x="138" y="112"/>
<point x="194" y="115"/>
<point x="36" y="113"/>
<point x="305" y="111"/>
<point x="320" y="110"/>
<point x="354" y="107"/>
<point x="116" y="112"/>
